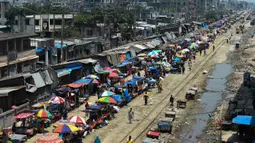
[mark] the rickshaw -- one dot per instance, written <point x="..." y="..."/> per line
<point x="97" y="114"/>
<point x="24" y="123"/>
<point x="125" y="67"/>
<point x="103" y="75"/>
<point x="154" y="72"/>
<point x="134" y="86"/>
<point x="165" y="125"/>
<point x="181" y="104"/>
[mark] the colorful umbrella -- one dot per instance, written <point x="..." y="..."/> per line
<point x="57" y="100"/>
<point x="154" y="56"/>
<point x="106" y="94"/>
<point x="92" y="76"/>
<point x="141" y="55"/>
<point x="152" y="53"/>
<point x="176" y="60"/>
<point x="66" y="128"/>
<point x="38" y="105"/>
<point x="107" y="68"/>
<point x="53" y="138"/>
<point x="61" y="122"/>
<point x="96" y="82"/>
<point x="107" y="100"/>
<point x="158" y="51"/>
<point x="113" y="75"/>
<point x="44" y="114"/>
<point x="171" y="45"/>
<point x="77" y="120"/>
<point x="193" y="46"/>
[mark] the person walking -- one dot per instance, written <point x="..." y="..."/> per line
<point x="138" y="73"/>
<point x="200" y="51"/>
<point x="182" y="67"/>
<point x="145" y="98"/>
<point x="213" y="47"/>
<point x="171" y="100"/>
<point x="190" y="64"/>
<point x="130" y="115"/>
<point x="205" y="51"/>
<point x="130" y="140"/>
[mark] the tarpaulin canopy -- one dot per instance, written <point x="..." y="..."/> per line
<point x="23" y="115"/>
<point x="152" y="68"/>
<point x="83" y="81"/>
<point x="244" y="120"/>
<point x="72" y="85"/>
<point x="131" y="82"/>
<point x="176" y="60"/>
<point x="70" y="68"/>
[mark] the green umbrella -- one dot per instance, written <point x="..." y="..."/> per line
<point x="158" y="51"/>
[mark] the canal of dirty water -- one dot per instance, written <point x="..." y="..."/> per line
<point x="210" y="99"/>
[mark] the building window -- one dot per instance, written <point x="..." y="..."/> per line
<point x="51" y="21"/>
<point x="19" y="67"/>
<point x="37" y="22"/>
<point x="89" y="32"/>
<point x="27" y="21"/>
<point x="58" y="21"/>
<point x="4" y="72"/>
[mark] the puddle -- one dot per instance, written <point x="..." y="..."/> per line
<point x="209" y="101"/>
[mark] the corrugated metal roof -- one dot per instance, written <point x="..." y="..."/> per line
<point x="39" y="82"/>
<point x="4" y="91"/>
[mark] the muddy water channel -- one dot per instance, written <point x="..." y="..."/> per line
<point x="210" y="99"/>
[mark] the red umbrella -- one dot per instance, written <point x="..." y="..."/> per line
<point x="113" y="75"/>
<point x="96" y="82"/>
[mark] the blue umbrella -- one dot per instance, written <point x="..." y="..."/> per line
<point x="97" y="140"/>
<point x="176" y="60"/>
<point x="117" y="98"/>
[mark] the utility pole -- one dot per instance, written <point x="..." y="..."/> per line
<point x="62" y="35"/>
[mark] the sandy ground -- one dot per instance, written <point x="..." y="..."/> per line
<point x="119" y="128"/>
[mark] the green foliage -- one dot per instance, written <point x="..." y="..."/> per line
<point x="44" y="9"/>
<point x="10" y="15"/>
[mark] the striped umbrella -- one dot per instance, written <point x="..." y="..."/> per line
<point x="106" y="94"/>
<point x="107" y="100"/>
<point x="44" y="114"/>
<point x="53" y="138"/>
<point x="77" y="120"/>
<point x="66" y="128"/>
<point x="57" y="100"/>
<point x="92" y="76"/>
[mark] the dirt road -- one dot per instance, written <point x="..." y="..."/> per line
<point x="119" y="128"/>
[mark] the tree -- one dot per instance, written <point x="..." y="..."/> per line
<point x="211" y="16"/>
<point x="10" y="15"/>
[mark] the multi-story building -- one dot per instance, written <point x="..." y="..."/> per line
<point x="16" y="54"/>
<point x="88" y="4"/>
<point x="5" y="5"/>
<point x="60" y="3"/>
<point x="43" y="23"/>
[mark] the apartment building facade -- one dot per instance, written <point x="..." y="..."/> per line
<point x="16" y="54"/>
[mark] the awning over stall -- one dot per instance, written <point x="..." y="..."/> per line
<point x="244" y="120"/>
